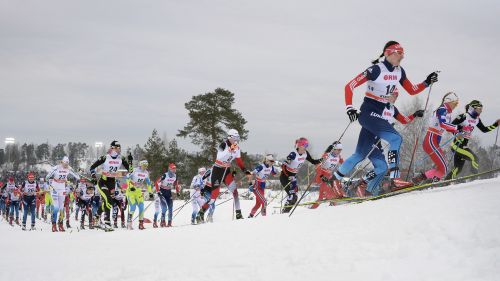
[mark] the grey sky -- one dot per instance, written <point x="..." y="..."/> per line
<point x="103" y="70"/>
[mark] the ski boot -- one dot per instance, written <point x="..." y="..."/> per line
<point x="239" y="216"/>
<point x="115" y="224"/>
<point x="82" y="225"/>
<point x="61" y="226"/>
<point x="200" y="218"/>
<point x="163" y="223"/>
<point x="359" y="187"/>
<point x="23" y="227"/>
<point x="67" y="224"/>
<point x="129" y="222"/>
<point x="419" y="178"/>
<point x="210" y="218"/>
<point x="193" y="221"/>
<point x="250" y="216"/>
<point x="123" y="224"/>
<point x="141" y="225"/>
<point x="169" y="224"/>
<point x="11" y="219"/>
<point x="155" y="225"/>
<point x="17" y="220"/>
<point x="54" y="227"/>
<point x="33" y="227"/>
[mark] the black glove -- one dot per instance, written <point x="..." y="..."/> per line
<point x="92" y="175"/>
<point x="352" y="113"/>
<point x="151" y="196"/>
<point x="202" y="191"/>
<point x="419" y="113"/>
<point x="431" y="78"/>
<point x="130" y="158"/>
<point x="325" y="179"/>
<point x="234" y="173"/>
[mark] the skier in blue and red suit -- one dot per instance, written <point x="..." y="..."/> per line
<point x="382" y="79"/>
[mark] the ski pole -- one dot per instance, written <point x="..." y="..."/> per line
<point x="302" y="197"/>
<point x="345" y="130"/>
<point x="419" y="132"/>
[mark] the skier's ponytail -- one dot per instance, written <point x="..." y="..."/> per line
<point x="390" y="43"/>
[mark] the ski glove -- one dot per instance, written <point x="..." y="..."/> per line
<point x="431" y="78"/>
<point x="130" y="158"/>
<point x="419" y="113"/>
<point x="352" y="113"/>
<point x="151" y="196"/>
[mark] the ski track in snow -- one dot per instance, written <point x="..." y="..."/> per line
<point x="447" y="233"/>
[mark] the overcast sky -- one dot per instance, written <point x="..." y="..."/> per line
<point x="103" y="70"/>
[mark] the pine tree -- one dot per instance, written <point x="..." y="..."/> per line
<point x="156" y="154"/>
<point x="211" y="115"/>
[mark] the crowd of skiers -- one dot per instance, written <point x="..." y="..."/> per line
<point x="102" y="198"/>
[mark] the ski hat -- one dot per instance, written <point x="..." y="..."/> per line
<point x="172" y="166"/>
<point x="11" y="179"/>
<point x="394" y="48"/>
<point x="82" y="179"/>
<point x="115" y="143"/>
<point x="301" y="142"/>
<point x="337" y="145"/>
<point x="202" y="170"/>
<point x="473" y="104"/>
<point x="143" y="163"/>
<point x="269" y="158"/>
<point x="450" y="97"/>
<point x="65" y="160"/>
<point x="233" y="134"/>
<point x="31" y="176"/>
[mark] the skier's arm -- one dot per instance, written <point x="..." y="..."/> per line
<point x="441" y="114"/>
<point x="459" y="119"/>
<point x="97" y="163"/>
<point x="311" y="160"/>
<point x="485" y="129"/>
<point x="75" y="175"/>
<point x="408" y="85"/>
<point x="126" y="165"/>
<point x="370" y="74"/>
<point x="51" y="174"/>
<point x="402" y="118"/>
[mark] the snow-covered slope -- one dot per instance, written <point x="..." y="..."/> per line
<point x="449" y="233"/>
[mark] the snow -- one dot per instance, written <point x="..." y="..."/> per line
<point x="448" y="233"/>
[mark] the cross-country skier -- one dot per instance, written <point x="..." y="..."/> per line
<point x="168" y="182"/>
<point x="40" y="201"/>
<point x="59" y="176"/>
<point x="468" y="120"/>
<point x="138" y="183"/>
<point x="195" y="195"/>
<point x="85" y="192"/>
<point x="382" y="79"/>
<point x="370" y="183"/>
<point x="29" y="190"/>
<point x="331" y="161"/>
<point x="221" y="172"/>
<point x="14" y="201"/>
<point x="262" y="172"/>
<point x="119" y="203"/>
<point x="106" y="184"/>
<point x="440" y="122"/>
<point x="290" y="168"/>
<point x="7" y="189"/>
